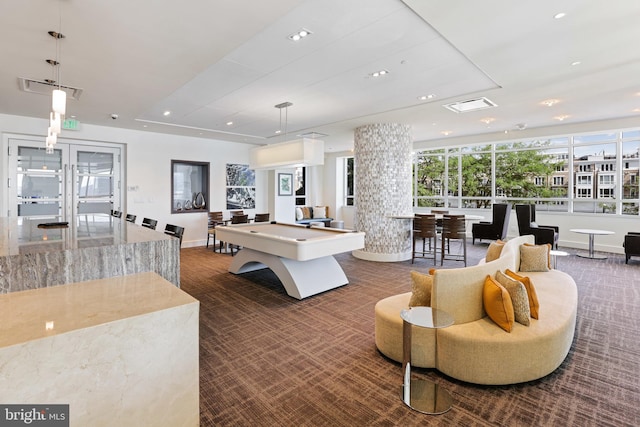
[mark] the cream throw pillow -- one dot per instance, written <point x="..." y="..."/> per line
<point x="519" y="298"/>
<point x="319" y="212"/>
<point x="534" y="257"/>
<point x="421" y="289"/>
<point x="494" y="251"/>
<point x="299" y="214"/>
<point x="534" y="305"/>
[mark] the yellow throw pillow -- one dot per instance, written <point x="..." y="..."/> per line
<point x="421" y="285"/>
<point x="497" y="304"/>
<point x="494" y="251"/>
<point x="519" y="298"/>
<point x="534" y="305"/>
<point x="535" y="257"/>
<point x="306" y="212"/>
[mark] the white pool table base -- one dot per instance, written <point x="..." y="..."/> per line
<point x="301" y="279"/>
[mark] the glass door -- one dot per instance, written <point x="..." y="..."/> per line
<point x="96" y="181"/>
<point x="74" y="179"/>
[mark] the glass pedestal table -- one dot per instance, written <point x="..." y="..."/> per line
<point x="422" y="395"/>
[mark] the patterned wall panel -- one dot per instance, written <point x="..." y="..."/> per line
<point x="382" y="155"/>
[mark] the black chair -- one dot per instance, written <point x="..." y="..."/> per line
<point x="175" y="231"/>
<point x="497" y="228"/>
<point x="131" y="218"/>
<point x="453" y="228"/>
<point x="149" y="223"/>
<point x="527" y="225"/>
<point x="262" y="217"/>
<point x="215" y="219"/>
<point x="424" y="227"/>
<point x="631" y="245"/>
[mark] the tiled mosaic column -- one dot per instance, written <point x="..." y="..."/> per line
<point x="382" y="154"/>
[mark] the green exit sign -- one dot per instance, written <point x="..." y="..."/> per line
<point x="71" y="124"/>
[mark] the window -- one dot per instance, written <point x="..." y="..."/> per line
<point x="428" y="178"/>
<point x="349" y="174"/>
<point x="583" y="192"/>
<point x="606" y="179"/>
<point x="605" y="193"/>
<point x="584" y="179"/>
<point x="300" y="179"/>
<point x="552" y="172"/>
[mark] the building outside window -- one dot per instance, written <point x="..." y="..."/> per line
<point x="551" y="172"/>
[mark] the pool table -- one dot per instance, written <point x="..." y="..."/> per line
<point x="300" y="255"/>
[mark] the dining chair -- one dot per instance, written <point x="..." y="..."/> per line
<point x="262" y="217"/>
<point x="424" y="228"/>
<point x="131" y="218"/>
<point x="149" y="223"/>
<point x="238" y="219"/>
<point x="175" y="231"/>
<point x="116" y="214"/>
<point x="215" y="219"/>
<point x="453" y="228"/>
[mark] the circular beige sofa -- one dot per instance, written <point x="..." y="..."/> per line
<point x="474" y="349"/>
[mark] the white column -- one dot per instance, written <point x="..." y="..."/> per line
<point x="382" y="154"/>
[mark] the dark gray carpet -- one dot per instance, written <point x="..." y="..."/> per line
<point x="267" y="359"/>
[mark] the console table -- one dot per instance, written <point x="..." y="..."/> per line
<point x="422" y="395"/>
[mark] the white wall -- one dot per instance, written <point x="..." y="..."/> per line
<point x="148" y="158"/>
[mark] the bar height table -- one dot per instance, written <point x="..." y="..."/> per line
<point x="591" y="233"/>
<point x="422" y="395"/>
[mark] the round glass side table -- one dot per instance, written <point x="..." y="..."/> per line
<point x="420" y="394"/>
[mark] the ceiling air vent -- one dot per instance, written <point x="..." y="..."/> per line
<point x="313" y="135"/>
<point x="470" y="105"/>
<point x="45" y="88"/>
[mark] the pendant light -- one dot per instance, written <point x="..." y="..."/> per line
<point x="58" y="96"/>
<point x="287" y="154"/>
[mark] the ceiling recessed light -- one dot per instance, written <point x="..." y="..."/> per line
<point x="229" y="123"/>
<point x="550" y="102"/>
<point x="426" y="97"/>
<point x="446" y="132"/>
<point x="488" y="120"/>
<point x="166" y="113"/>
<point x="561" y="117"/>
<point x="574" y="63"/>
<point x="559" y="15"/>
<point x="379" y="73"/>
<point x="278" y="132"/>
<point x="299" y="35"/>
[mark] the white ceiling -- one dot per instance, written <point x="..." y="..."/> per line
<point x="214" y="61"/>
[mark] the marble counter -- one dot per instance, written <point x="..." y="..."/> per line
<point x="119" y="351"/>
<point x="92" y="247"/>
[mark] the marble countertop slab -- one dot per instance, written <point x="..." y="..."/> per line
<point x="22" y="236"/>
<point x="45" y="312"/>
